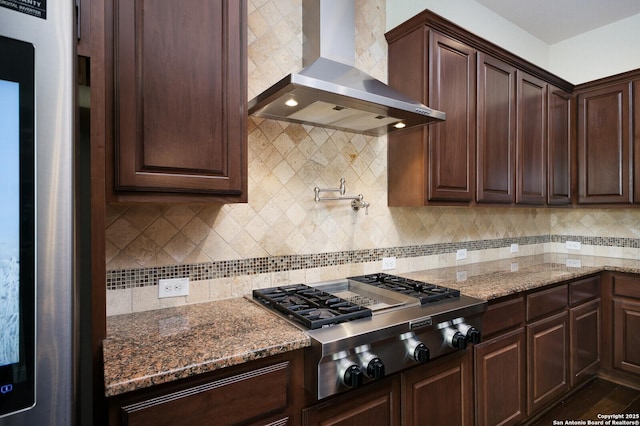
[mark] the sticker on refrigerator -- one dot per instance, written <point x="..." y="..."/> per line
<point x="37" y="8"/>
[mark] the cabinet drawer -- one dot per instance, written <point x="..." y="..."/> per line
<point x="583" y="290"/>
<point x="503" y="315"/>
<point x="237" y="399"/>
<point x="626" y="286"/>
<point x="546" y="302"/>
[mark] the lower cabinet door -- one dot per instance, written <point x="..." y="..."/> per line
<point x="377" y="404"/>
<point x="585" y="340"/>
<point x="500" y="372"/>
<point x="440" y="392"/>
<point x="548" y="360"/>
<point x="626" y="335"/>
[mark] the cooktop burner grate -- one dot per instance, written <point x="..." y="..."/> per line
<point x="310" y="306"/>
<point x="425" y="292"/>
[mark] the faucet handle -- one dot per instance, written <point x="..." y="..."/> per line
<point x="358" y="203"/>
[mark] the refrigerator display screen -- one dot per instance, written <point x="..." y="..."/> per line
<point x="17" y="226"/>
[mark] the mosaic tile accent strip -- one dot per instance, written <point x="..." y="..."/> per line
<point x="143" y="277"/>
<point x="598" y="241"/>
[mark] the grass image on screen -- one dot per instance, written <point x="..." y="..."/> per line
<point x="9" y="223"/>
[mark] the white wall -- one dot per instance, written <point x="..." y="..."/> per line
<point x="608" y="50"/>
<point x="477" y="19"/>
<point x="605" y="51"/>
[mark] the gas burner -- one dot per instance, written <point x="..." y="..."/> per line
<point x="425" y="292"/>
<point x="310" y="306"/>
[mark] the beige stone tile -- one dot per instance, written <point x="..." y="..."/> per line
<point x="119" y="302"/>
<point x="120" y="233"/>
<point x="198" y="291"/>
<point x="262" y="281"/>
<point x="220" y="288"/>
<point x="145" y="298"/>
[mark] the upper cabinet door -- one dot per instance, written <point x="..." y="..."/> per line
<point x="636" y="140"/>
<point x="180" y="97"/>
<point x="452" y="143"/>
<point x="604" y="145"/>
<point x="531" y="142"/>
<point x="560" y="147"/>
<point x="496" y="130"/>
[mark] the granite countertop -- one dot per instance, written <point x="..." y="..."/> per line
<point x="148" y="348"/>
<point x="153" y="347"/>
<point x="491" y="280"/>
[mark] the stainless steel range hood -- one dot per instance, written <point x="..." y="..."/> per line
<point x="329" y="91"/>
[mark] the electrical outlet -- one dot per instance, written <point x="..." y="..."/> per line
<point x="173" y="287"/>
<point x="388" y="263"/>
<point x="514" y="248"/>
<point x="461" y="254"/>
<point x="574" y="263"/>
<point x="574" y="245"/>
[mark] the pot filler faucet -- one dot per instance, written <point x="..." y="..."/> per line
<point x="357" y="202"/>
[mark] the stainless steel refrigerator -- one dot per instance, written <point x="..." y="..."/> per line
<point x="40" y="342"/>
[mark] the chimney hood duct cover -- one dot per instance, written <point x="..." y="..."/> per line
<point x="330" y="91"/>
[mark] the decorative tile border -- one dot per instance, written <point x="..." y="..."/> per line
<point x="598" y="241"/>
<point x="143" y="277"/>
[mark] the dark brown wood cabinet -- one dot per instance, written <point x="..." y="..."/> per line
<point x="547" y="346"/>
<point x="452" y="81"/>
<point x="548" y="360"/>
<point x="500" y="364"/>
<point x="501" y="380"/>
<point x="531" y="140"/>
<point x="636" y="140"/>
<point x="180" y="99"/>
<point x="441" y="392"/>
<point x="377" y="404"/>
<point x="535" y="347"/>
<point x="560" y="147"/>
<point x="496" y="131"/>
<point x="626" y="346"/>
<point x="626" y="323"/>
<point x="83" y="27"/>
<point x="495" y="145"/>
<point x="267" y="391"/>
<point x="605" y="145"/>
<point x="435" y="163"/>
<point x="584" y="324"/>
<point x="585" y="340"/>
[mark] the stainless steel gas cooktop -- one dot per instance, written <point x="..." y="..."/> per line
<point x="367" y="327"/>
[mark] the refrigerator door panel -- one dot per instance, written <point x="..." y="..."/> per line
<point x="52" y="34"/>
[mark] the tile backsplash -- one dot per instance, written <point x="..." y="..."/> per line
<point x="281" y="235"/>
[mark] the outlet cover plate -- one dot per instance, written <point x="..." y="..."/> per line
<point x="461" y="254"/>
<point x="173" y="287"/>
<point x="574" y="245"/>
<point x="388" y="263"/>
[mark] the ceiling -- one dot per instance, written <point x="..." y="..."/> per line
<point x="556" y="20"/>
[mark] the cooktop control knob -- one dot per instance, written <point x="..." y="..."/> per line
<point x="454" y="338"/>
<point x="373" y="366"/>
<point x="416" y="350"/>
<point x="375" y="369"/>
<point x="421" y="353"/>
<point x="458" y="340"/>
<point x="352" y="376"/>
<point x="472" y="334"/>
